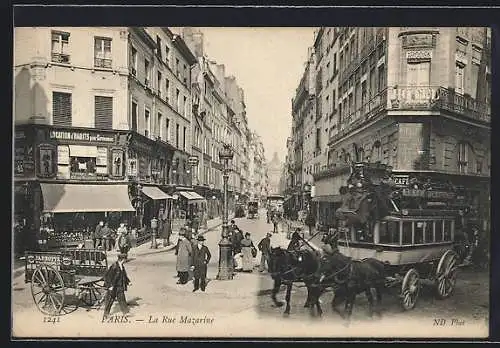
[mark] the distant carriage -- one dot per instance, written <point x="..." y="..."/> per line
<point x="253" y="209"/>
<point x="62" y="280"/>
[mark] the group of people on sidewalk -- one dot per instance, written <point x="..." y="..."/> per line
<point x="103" y="237"/>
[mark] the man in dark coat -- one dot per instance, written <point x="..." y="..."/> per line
<point x="265" y="248"/>
<point x="201" y="258"/>
<point x="97" y="235"/>
<point x="275" y="222"/>
<point x="116" y="282"/>
<point x="237" y="237"/>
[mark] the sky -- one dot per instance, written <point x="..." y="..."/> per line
<point x="268" y="64"/>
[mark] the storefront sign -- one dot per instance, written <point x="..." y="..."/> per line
<point x="441" y="195"/>
<point x="88" y="176"/>
<point x="82" y="136"/>
<point x="102" y="156"/>
<point x="429" y="194"/>
<point x="63" y="155"/>
<point x="132" y="167"/>
<point x="24" y="161"/>
<point x="401" y="180"/>
<point x="420" y="55"/>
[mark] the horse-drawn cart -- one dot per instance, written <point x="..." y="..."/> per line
<point x="413" y="238"/>
<point x="61" y="280"/>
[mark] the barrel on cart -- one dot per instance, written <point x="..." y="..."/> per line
<point x="63" y="280"/>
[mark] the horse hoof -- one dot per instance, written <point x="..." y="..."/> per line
<point x="286" y="313"/>
<point x="279" y="304"/>
<point x="306" y="305"/>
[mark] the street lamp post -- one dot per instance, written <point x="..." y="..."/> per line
<point x="225" y="246"/>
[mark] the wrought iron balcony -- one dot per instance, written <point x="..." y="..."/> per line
<point x="330" y="170"/>
<point x="361" y="115"/>
<point x="438" y="98"/>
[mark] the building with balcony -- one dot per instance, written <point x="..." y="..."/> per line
<point x="259" y="177"/>
<point x="220" y="119"/>
<point x="89" y="131"/>
<point x="417" y="99"/>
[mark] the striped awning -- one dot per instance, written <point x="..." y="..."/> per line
<point x="71" y="198"/>
<point x="155" y="193"/>
<point x="191" y="195"/>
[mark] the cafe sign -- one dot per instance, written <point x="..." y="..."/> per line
<point x="82" y="136"/>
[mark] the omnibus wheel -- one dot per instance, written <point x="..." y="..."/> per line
<point x="410" y="288"/>
<point x="446" y="274"/>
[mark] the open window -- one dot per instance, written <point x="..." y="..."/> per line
<point x="389" y="232"/>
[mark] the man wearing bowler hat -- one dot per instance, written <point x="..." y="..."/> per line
<point x="201" y="258"/>
<point x="116" y="282"/>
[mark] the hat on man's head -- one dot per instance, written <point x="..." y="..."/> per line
<point x="122" y="256"/>
<point x="232" y="221"/>
<point x="200" y="238"/>
<point x="182" y="231"/>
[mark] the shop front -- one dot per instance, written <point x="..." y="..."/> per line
<point x="327" y="198"/>
<point x="149" y="163"/>
<point x="66" y="180"/>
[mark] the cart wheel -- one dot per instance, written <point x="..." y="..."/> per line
<point x="446" y="274"/>
<point x="410" y="289"/>
<point x="48" y="290"/>
<point x="93" y="294"/>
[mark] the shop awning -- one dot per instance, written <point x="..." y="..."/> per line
<point x="155" y="193"/>
<point x="191" y="196"/>
<point x="70" y="198"/>
<point x="328" y="199"/>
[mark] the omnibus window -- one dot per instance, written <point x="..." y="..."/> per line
<point x="439" y="231"/>
<point x="407" y="227"/>
<point x="419" y="232"/>
<point x="389" y="232"/>
<point x="428" y="235"/>
<point x="364" y="235"/>
<point x="447" y="230"/>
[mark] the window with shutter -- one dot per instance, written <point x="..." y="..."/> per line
<point x="103" y="112"/>
<point x="61" y="109"/>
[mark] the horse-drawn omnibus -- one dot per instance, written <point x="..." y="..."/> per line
<point x="275" y="203"/>
<point x="408" y="227"/>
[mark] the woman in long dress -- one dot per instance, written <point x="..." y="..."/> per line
<point x="246" y="249"/>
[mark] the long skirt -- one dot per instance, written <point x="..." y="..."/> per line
<point x="247" y="259"/>
<point x="238" y="263"/>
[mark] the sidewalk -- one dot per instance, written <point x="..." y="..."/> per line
<point x="144" y="249"/>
